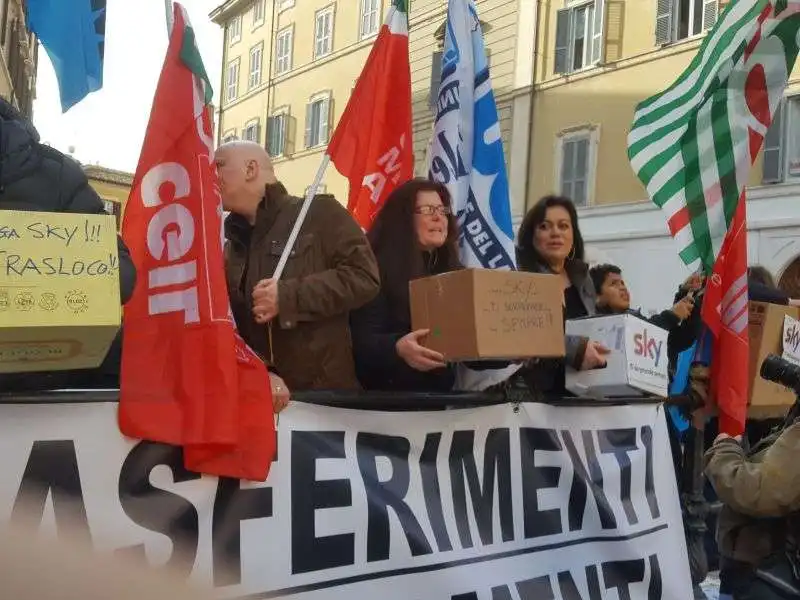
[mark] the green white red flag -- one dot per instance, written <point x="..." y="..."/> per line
<point x="693" y="146"/>
<point x="188" y="379"/>
<point x="372" y="144"/>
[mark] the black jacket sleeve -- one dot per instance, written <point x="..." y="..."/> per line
<point x="666" y="320"/>
<point x="378" y="367"/>
<point x="79" y="197"/>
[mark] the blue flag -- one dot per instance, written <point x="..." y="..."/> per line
<point x="466" y="154"/>
<point x="73" y="34"/>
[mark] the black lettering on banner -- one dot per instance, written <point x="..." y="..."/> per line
<point x="159" y="510"/>
<point x="620" y="442"/>
<point x="569" y="589"/>
<point x="501" y="592"/>
<point x="586" y="477"/>
<point x="467" y="596"/>
<point x="655" y="590"/>
<point x="233" y="505"/>
<point x="538" y="588"/>
<point x="53" y="469"/>
<point x="496" y="461"/>
<point x="432" y="491"/>
<point x="537" y="522"/>
<point x="620" y="574"/>
<point x="649" y="478"/>
<point x="390" y="493"/>
<point x="309" y="552"/>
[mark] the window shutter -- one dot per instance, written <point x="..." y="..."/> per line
<point x="309" y="112"/>
<point x="563" y="21"/>
<point x="664" y="21"/>
<point x="614" y="19"/>
<point x="436" y="79"/>
<point x="258" y="132"/>
<point x="289" y="134"/>
<point x="598" y="33"/>
<point x="709" y="13"/>
<point x="772" y="167"/>
<point x="271" y="136"/>
<point x="325" y="118"/>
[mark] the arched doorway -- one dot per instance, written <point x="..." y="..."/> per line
<point x="790" y="280"/>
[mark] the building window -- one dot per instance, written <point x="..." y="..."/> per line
<point x="317" y="119"/>
<point x="370" y="15"/>
<point x="781" y="161"/>
<point x="235" y="30"/>
<point x="283" y="50"/>
<point x="579" y="36"/>
<point x="229" y="136"/>
<point x="258" y="13"/>
<point x="113" y="208"/>
<point x="681" y="19"/>
<point x="252" y="131"/>
<point x="277" y="129"/>
<point x="256" y="52"/>
<point x="284" y="4"/>
<point x="232" y="80"/>
<point x="323" y="32"/>
<point x="575" y="165"/>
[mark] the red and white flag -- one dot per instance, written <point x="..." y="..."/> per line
<point x="188" y="379"/>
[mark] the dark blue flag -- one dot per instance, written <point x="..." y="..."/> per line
<point x="73" y="34"/>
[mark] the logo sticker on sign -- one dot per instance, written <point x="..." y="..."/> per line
<point x="648" y="347"/>
<point x="791" y="340"/>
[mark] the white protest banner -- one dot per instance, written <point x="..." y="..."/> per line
<point x="528" y="502"/>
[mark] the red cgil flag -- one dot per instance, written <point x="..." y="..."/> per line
<point x="372" y="143"/>
<point x="725" y="312"/>
<point x="188" y="379"/>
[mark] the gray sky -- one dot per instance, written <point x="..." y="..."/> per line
<point x="108" y="126"/>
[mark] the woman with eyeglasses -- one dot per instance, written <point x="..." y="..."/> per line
<point x="415" y="235"/>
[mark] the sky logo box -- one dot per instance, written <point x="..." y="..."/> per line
<point x="59" y="290"/>
<point x="637" y="365"/>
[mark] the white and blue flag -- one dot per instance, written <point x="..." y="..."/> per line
<point x="466" y="155"/>
<point x="466" y="152"/>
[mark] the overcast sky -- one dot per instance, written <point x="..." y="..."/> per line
<point x="108" y="126"/>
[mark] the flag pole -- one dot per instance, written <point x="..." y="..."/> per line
<point x="312" y="191"/>
<point x="169" y="15"/>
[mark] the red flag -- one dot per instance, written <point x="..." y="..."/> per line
<point x="188" y="379"/>
<point x="372" y="143"/>
<point x="725" y="312"/>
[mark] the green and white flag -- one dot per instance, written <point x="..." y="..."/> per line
<point x="693" y="145"/>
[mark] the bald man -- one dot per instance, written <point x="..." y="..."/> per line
<point x="299" y="324"/>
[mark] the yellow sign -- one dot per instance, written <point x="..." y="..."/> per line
<point x="59" y="290"/>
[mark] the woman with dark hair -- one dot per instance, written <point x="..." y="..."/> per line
<point x="550" y="241"/>
<point x="415" y="235"/>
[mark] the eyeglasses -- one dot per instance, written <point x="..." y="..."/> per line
<point x="430" y="209"/>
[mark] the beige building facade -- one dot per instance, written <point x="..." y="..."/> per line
<point x="18" y="57"/>
<point x="289" y="67"/>
<point x="112" y="186"/>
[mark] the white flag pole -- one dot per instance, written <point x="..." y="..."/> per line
<point x="169" y="14"/>
<point x="301" y="217"/>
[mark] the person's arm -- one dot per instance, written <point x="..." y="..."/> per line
<point x="666" y="320"/>
<point x="374" y="347"/>
<point x="770" y="488"/>
<point x="350" y="282"/>
<point x="79" y="197"/>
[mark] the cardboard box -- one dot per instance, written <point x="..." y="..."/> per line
<point x="476" y="314"/>
<point x="766" y="333"/>
<point x="59" y="290"/>
<point x="637" y="364"/>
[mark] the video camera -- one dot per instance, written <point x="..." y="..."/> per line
<point x="781" y="371"/>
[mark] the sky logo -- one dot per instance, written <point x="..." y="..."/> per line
<point x="648" y="347"/>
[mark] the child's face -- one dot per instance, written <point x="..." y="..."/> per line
<point x="614" y="294"/>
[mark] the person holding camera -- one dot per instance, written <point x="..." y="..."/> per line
<point x="758" y="530"/>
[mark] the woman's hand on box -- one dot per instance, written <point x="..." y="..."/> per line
<point x="595" y="356"/>
<point x="417" y="356"/>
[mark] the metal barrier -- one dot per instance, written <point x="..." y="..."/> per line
<point x="390" y="401"/>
